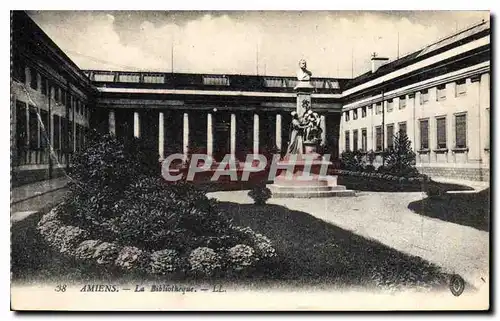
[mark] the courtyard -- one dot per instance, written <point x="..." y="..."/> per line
<point x="375" y="240"/>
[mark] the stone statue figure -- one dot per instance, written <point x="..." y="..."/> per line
<point x="303" y="74"/>
<point x="312" y="132"/>
<point x="296" y="141"/>
<point x="304" y="130"/>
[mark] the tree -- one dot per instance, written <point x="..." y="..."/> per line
<point x="400" y="159"/>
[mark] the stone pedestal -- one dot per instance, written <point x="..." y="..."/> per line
<point x="308" y="178"/>
<point x="304" y="90"/>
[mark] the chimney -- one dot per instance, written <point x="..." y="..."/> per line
<point x="378" y="62"/>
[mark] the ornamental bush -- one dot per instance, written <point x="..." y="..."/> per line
<point x="260" y="194"/>
<point x="400" y="160"/>
<point x="204" y="260"/>
<point x="352" y="160"/>
<point x="119" y="212"/>
<point x="242" y="256"/>
<point x="165" y="261"/>
<point x="132" y="258"/>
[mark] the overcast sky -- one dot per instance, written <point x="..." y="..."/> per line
<point x="228" y="42"/>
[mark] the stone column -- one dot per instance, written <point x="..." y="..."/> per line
<point x="137" y="125"/>
<point x="210" y="135"/>
<point x="161" y="135"/>
<point x="255" y="133"/>
<point x="323" y="129"/>
<point x="369" y="130"/>
<point x="484" y="101"/>
<point x="233" y="135"/>
<point x="278" y="132"/>
<point x="474" y="120"/>
<point x="185" y="135"/>
<point x="112" y="122"/>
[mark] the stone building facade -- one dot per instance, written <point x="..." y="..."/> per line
<point x="439" y="95"/>
<point x="443" y="87"/>
<point x="51" y="101"/>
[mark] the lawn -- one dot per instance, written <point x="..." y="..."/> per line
<point x="471" y="209"/>
<point x="311" y="252"/>
<point x="317" y="252"/>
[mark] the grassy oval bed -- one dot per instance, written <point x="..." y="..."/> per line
<point x="119" y="214"/>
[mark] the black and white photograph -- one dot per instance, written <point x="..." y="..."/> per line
<point x="290" y="160"/>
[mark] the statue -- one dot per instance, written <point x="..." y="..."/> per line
<point x="303" y="74"/>
<point x="313" y="129"/>
<point x="296" y="140"/>
<point x="303" y="130"/>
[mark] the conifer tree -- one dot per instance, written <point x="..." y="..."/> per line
<point x="400" y="159"/>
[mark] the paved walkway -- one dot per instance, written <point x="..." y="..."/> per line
<point x="28" y="199"/>
<point x="386" y="218"/>
<point x="476" y="185"/>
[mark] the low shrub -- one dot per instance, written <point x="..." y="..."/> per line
<point x="132" y="258"/>
<point x="165" y="261"/>
<point x="242" y="256"/>
<point x="352" y="160"/>
<point x="260" y="194"/>
<point x="204" y="260"/>
<point x="117" y="213"/>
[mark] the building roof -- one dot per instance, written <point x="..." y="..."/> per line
<point x="29" y="39"/>
<point x="108" y="78"/>
<point x="467" y="35"/>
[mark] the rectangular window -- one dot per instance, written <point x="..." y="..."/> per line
<point x="441" y="132"/>
<point x="355" y="140"/>
<point x="70" y="137"/>
<point x="34" y="79"/>
<point x="82" y="136"/>
<point x="77" y="105"/>
<point x="20" y="71"/>
<point x="424" y="96"/>
<point x="378" y="108"/>
<point x="461" y="131"/>
<point x="21" y="126"/>
<point x="347" y="141"/>
<point x="354" y="114"/>
<point x="390" y="105"/>
<point x="363" y="112"/>
<point x="220" y="81"/>
<point x="364" y="140"/>
<point x="488" y="128"/>
<point x="64" y="135"/>
<point x="390" y="135"/>
<point x="378" y="138"/>
<point x="77" y="137"/>
<point x="154" y="79"/>
<point x="104" y="77"/>
<point x="129" y="78"/>
<point x="44" y="129"/>
<point x="44" y="85"/>
<point x="402" y="102"/>
<point x="402" y="127"/>
<point x="33" y="127"/>
<point x="63" y="97"/>
<point x="346" y="115"/>
<point x="441" y="92"/>
<point x="57" y="136"/>
<point x="424" y="134"/>
<point x="460" y="87"/>
<point x="56" y="94"/>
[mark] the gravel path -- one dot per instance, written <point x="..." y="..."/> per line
<point x="386" y="218"/>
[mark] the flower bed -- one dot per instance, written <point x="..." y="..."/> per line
<point x="74" y="242"/>
<point x="383" y="182"/>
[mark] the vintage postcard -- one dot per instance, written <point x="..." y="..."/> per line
<point x="250" y="160"/>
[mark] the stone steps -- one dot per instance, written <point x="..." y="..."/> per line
<point x="281" y="188"/>
<point x="277" y="193"/>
